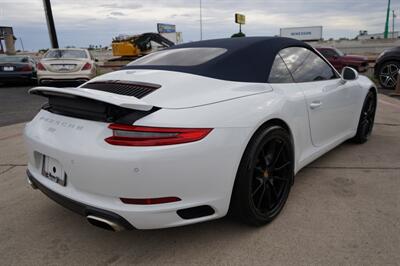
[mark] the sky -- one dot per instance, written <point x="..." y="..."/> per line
<point x="83" y="22"/>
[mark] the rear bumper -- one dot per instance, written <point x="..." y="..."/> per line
<point x="45" y="77"/>
<point x="16" y="76"/>
<point x="98" y="174"/>
<point x="78" y="207"/>
<point x="47" y="80"/>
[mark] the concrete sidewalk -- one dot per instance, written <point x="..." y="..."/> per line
<point x="343" y="209"/>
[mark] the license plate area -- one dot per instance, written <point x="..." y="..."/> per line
<point x="64" y="68"/>
<point x="8" y="68"/>
<point x="53" y="170"/>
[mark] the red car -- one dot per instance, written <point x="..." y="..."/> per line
<point x="339" y="59"/>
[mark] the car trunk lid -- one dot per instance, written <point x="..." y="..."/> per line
<point x="182" y="90"/>
<point x="128" y="102"/>
<point x="7" y="67"/>
<point x="63" y="65"/>
<point x="94" y="105"/>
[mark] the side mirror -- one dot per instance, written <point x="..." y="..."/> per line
<point x="349" y="73"/>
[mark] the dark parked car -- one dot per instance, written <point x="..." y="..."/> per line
<point x="387" y="67"/>
<point x="340" y="60"/>
<point x="17" y="68"/>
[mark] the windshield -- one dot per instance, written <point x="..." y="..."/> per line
<point x="180" y="57"/>
<point x="13" y="59"/>
<point x="59" y="54"/>
<point x="340" y="53"/>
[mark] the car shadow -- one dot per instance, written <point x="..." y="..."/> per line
<point x="16" y="84"/>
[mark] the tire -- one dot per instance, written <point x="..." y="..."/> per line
<point x="387" y="74"/>
<point x="367" y="117"/>
<point x="264" y="177"/>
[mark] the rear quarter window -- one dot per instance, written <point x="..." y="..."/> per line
<point x="279" y="72"/>
<point x="60" y="54"/>
<point x="180" y="57"/>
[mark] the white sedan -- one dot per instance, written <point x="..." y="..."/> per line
<point x="66" y="65"/>
<point x="194" y="132"/>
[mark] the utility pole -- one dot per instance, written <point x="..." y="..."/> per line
<point x="385" y="34"/>
<point x="394" y="16"/>
<point x="22" y="44"/>
<point x="50" y="23"/>
<point x="201" y="24"/>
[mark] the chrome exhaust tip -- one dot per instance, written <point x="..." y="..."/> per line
<point x="44" y="82"/>
<point x="31" y="183"/>
<point x="104" y="223"/>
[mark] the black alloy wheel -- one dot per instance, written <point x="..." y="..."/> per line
<point x="388" y="74"/>
<point x="265" y="177"/>
<point x="367" y="118"/>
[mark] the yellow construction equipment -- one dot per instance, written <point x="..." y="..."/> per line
<point x="138" y="45"/>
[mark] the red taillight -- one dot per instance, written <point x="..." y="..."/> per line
<point x="150" y="201"/>
<point x="26" y="68"/>
<point x="87" y="66"/>
<point x="126" y="135"/>
<point x="40" y="66"/>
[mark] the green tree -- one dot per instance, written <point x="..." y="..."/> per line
<point x="239" y="34"/>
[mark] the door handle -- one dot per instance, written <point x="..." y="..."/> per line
<point x="315" y="104"/>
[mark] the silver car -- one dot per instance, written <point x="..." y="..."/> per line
<point x="66" y="64"/>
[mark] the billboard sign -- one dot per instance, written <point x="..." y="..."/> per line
<point x="165" y="28"/>
<point x="303" y="33"/>
<point x="240" y="18"/>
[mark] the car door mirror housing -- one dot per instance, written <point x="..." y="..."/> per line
<point x="349" y="73"/>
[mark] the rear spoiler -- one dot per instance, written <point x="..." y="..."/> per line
<point x="129" y="102"/>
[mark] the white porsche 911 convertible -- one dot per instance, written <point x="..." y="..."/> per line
<point x="195" y="131"/>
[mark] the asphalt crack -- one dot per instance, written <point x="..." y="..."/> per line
<point x="12" y="164"/>
<point x="388" y="124"/>
<point x="8" y="169"/>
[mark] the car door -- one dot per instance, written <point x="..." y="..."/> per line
<point x="330" y="101"/>
<point x="294" y="108"/>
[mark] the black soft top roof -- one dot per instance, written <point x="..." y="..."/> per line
<point x="247" y="59"/>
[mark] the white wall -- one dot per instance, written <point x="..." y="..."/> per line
<point x="363" y="47"/>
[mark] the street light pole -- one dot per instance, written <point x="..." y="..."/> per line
<point x="50" y="23"/>
<point x="22" y="44"/>
<point x="393" y="17"/>
<point x="385" y="34"/>
<point x="201" y="24"/>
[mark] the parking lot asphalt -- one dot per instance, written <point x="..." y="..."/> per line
<point x="16" y="105"/>
<point x="343" y="209"/>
